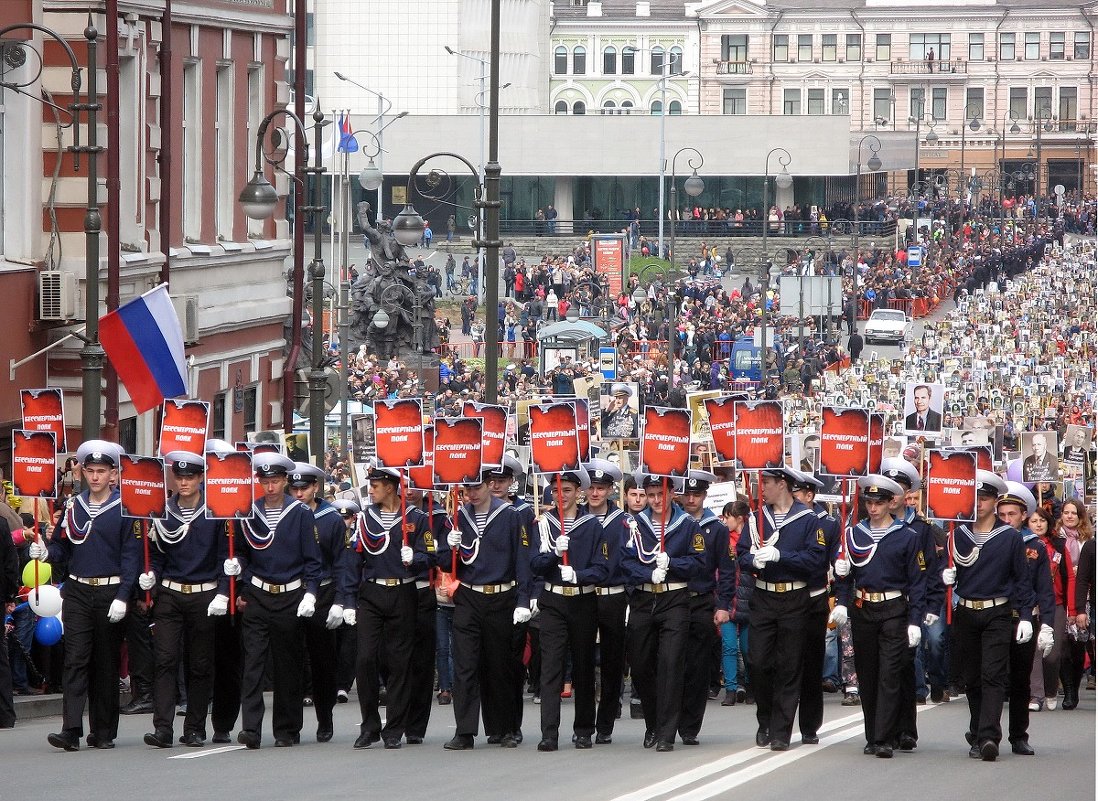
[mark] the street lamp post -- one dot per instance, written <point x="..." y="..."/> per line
<point x="783" y="180"/>
<point x="639" y="296"/>
<point x="931" y="138"/>
<point x="1001" y="166"/>
<point x="1042" y="119"/>
<point x="382" y="110"/>
<point x="874" y="165"/>
<point x="972" y="114"/>
<point x="258" y="200"/>
<point x="693" y="186"/>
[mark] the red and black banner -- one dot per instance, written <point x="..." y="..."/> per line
<point x="554" y="438"/>
<point x="844" y="442"/>
<point x="983" y="455"/>
<point x="759" y="434"/>
<point x="951" y="485"/>
<point x="183" y="426"/>
<point x="422" y="476"/>
<point x="495" y="428"/>
<point x="876" y="441"/>
<point x="583" y="427"/>
<point x="458" y="450"/>
<point x="34" y="463"/>
<point x="142" y="487"/>
<point x="398" y="432"/>
<point x="665" y="441"/>
<point x="229" y="485"/>
<point x="722" y="425"/>
<point x="44" y="410"/>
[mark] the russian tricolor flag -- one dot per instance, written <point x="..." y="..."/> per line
<point x="144" y="342"/>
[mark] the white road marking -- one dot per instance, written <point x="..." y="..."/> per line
<point x="209" y="752"/>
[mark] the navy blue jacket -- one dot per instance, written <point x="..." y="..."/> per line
<point x="801" y="543"/>
<point x="1038" y="580"/>
<point x="719" y="576"/>
<point x="587" y="549"/>
<point x="288" y="553"/>
<point x="190" y="553"/>
<point x="998" y="571"/>
<point x="895" y="562"/>
<point x="109" y="545"/>
<point x="495" y="556"/>
<point x="615" y="525"/>
<point x="375" y="552"/>
<point x="928" y="542"/>
<point x="683" y="542"/>
<point x="832" y="540"/>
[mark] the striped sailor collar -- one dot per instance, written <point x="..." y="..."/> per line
<point x="678" y="517"/>
<point x="324" y="508"/>
<point x="580" y="519"/>
<point x="796" y="511"/>
<point x="495" y="508"/>
<point x="896" y="525"/>
<point x="966" y="529"/>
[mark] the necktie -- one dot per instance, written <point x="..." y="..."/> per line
<point x="922" y="424"/>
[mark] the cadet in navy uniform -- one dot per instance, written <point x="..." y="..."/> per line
<point x="571" y="558"/>
<point x="790" y="551"/>
<point x="492" y="597"/>
<point x="282" y="566"/>
<point x="884" y="575"/>
<point x="611" y="600"/>
<point x="710" y="593"/>
<point x="102" y="553"/>
<point x="810" y="712"/>
<point x="665" y="550"/>
<point x="990" y="577"/>
<point x="1015" y="507"/>
<point x="377" y="592"/>
<point x="500" y="480"/>
<point x="187" y="559"/>
<point x="307" y="486"/>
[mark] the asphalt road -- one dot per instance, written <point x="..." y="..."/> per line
<point x="725" y="765"/>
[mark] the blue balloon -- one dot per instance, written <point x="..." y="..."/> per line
<point x="48" y="631"/>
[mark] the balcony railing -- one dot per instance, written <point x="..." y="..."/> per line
<point x="927" y="67"/>
<point x="733" y="67"/>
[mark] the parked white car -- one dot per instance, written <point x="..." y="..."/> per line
<point x="887" y="325"/>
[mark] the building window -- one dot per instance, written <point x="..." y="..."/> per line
<point x="609" y="107"/>
<point x="917" y="103"/>
<point x="560" y="107"/>
<point x="830" y="47"/>
<point x="938" y="102"/>
<point x="257" y="107"/>
<point x="676" y="61"/>
<point x="217" y="416"/>
<point x="1082" y="44"/>
<point x="882" y="105"/>
<point x="192" y="151"/>
<point x="1006" y="46"/>
<point x="628" y="60"/>
<point x="884" y="47"/>
<point x="1057" y="46"/>
<point x="781" y="47"/>
<point x="816" y="101"/>
<point x="734" y="48"/>
<point x="921" y="45"/>
<point x="656" y="108"/>
<point x="674" y="108"/>
<point x="975" y="47"/>
<point x="974" y="103"/>
<point x="791" y="103"/>
<point x="579" y="108"/>
<point x="627" y="104"/>
<point x="251" y="409"/>
<point x="853" y="47"/>
<point x="804" y="47"/>
<point x="226" y="190"/>
<point x="579" y="60"/>
<point x="1019" y="102"/>
<point x="657" y="61"/>
<point x="1042" y="103"/>
<point x="840" y="101"/>
<point x="1069" y="106"/>
<point x="560" y="60"/>
<point x="735" y="100"/>
<point x="610" y="60"/>
<point x="1033" y="46"/>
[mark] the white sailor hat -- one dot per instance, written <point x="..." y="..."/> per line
<point x="305" y="474"/>
<point x="346" y="508"/>
<point x="621" y="389"/>
<point x="510" y="468"/>
<point x="698" y="481"/>
<point x="1020" y="494"/>
<point x="219" y="446"/>
<point x="901" y="471"/>
<point x="674" y="484"/>
<point x="378" y="473"/>
<point x="270" y="465"/>
<point x="879" y="487"/>
<point x="603" y="471"/>
<point x="185" y="463"/>
<point x="578" y="477"/>
<point x="788" y="474"/>
<point x="807" y="481"/>
<point x="987" y="483"/>
<point x="99" y="451"/>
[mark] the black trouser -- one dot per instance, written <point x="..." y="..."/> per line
<point x="568" y="626"/>
<point x="493" y="723"/>
<point x="907" y="723"/>
<point x="271" y="628"/>
<point x="92" y="654"/>
<point x="423" y="662"/>
<point x="810" y="714"/>
<point x="699" y="663"/>
<point x="7" y="701"/>
<point x="983" y="644"/>
<point x="184" y="632"/>
<point x="482" y="648"/>
<point x="320" y="642"/>
<point x="139" y="651"/>
<point x="347" y="649"/>
<point x="657" y="637"/>
<point x="1018" y="695"/>
<point x="776" y="637"/>
<point x="386" y="631"/>
<point x="228" y="665"/>
<point x="879" y="631"/>
<point x="611" y="633"/>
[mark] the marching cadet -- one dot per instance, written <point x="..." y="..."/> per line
<point x="884" y="573"/>
<point x="378" y="594"/>
<point x="188" y="557"/>
<point x="571" y="559"/>
<point x="102" y="554"/>
<point x="486" y="555"/>
<point x="710" y="595"/>
<point x="810" y="712"/>
<point x="789" y="551"/>
<point x="306" y="485"/>
<point x="990" y="578"/>
<point x="611" y="600"/>
<point x="1015" y="507"/>
<point x="500" y="479"/>
<point x="282" y="566"/>
<point x="665" y="550"/>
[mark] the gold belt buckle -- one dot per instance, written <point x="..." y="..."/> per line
<point x="570" y="591"/>
<point x="97" y="582"/>
<point x="981" y="604"/>
<point x="659" y="587"/>
<point x="274" y="589"/>
<point x="781" y="586"/>
<point x="185" y="588"/>
<point x="391" y="582"/>
<point x="489" y="589"/>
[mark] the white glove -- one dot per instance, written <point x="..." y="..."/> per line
<point x="146" y="581"/>
<point x="930" y="619"/>
<point x="663" y="561"/>
<point x="117" y="611"/>
<point x="914" y="636"/>
<point x="335" y="617"/>
<point x="568" y="574"/>
<point x="232" y="567"/>
<point x="838" y="616"/>
<point x="534" y="608"/>
<point x="842" y="567"/>
<point x="307" y="605"/>
<point x="1024" y="632"/>
<point x="560" y="547"/>
<point x="765" y="555"/>
<point x="39" y="551"/>
<point x="521" y="615"/>
<point x="949" y="576"/>
<point x="659" y="575"/>
<point x="453" y="539"/>
<point x="218" y="606"/>
<point x="406" y="555"/>
<point x="1045" y="639"/>
<point x="350" y="617"/>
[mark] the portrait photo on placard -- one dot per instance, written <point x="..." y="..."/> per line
<point x="923" y="403"/>
<point x="619" y="411"/>
<point x="964" y="438"/>
<point x="1077" y="443"/>
<point x="1039" y="456"/>
<point x="297" y="446"/>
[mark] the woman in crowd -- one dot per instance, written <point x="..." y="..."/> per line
<point x="1075" y="527"/>
<point x="734" y="629"/>
<point x="1046" y="670"/>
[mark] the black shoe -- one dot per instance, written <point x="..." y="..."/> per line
<point x="516" y="735"/>
<point x="64" y="740"/>
<point x="547" y="745"/>
<point x="324" y="735"/>
<point x="583" y="742"/>
<point x="714" y="693"/>
<point x="511" y="740"/>
<point x="729" y="698"/>
<point x="342" y="697"/>
<point x="884" y="751"/>
<point x="460" y="742"/>
<point x="222" y="737"/>
<point x="392" y="743"/>
<point x="248" y="738"/>
<point x="829" y="686"/>
<point x="604" y="739"/>
<point x="908" y="743"/>
<point x="1070" y="701"/>
<point x="138" y="706"/>
<point x="779" y="745"/>
<point x="1021" y="748"/>
<point x="413" y="739"/>
<point x="649" y="738"/>
<point x="937" y="694"/>
<point x="989" y="751"/>
<point x="869" y="749"/>
<point x="689" y="739"/>
<point x="494" y="739"/>
<point x="970" y="738"/>
<point x="161" y="738"/>
<point x="762" y="738"/>
<point x="810" y="739"/>
<point x="102" y="743"/>
<point x="284" y="742"/>
<point x="974" y="752"/>
<point x="663" y="746"/>
<point x="366" y="740"/>
<point x="193" y="740"/>
<point x="741" y="696"/>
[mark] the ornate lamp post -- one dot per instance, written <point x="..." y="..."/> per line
<point x="693" y="186"/>
<point x="783" y="180"/>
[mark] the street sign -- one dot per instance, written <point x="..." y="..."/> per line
<point x="915" y="257"/>
<point x="608" y="363"/>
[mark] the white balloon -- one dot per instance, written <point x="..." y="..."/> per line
<point x="45" y="601"/>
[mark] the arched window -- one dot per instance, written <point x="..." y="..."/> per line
<point x="609" y="107"/>
<point x="674" y="107"/>
<point x="560" y="107"/>
<point x="579" y="60"/>
<point x="627" y="104"/>
<point x="657" y="60"/>
<point x="676" y="61"/>
<point x="656" y="107"/>
<point x="560" y="60"/>
<point x="628" y="60"/>
<point x="579" y="108"/>
<point x="609" y="60"/>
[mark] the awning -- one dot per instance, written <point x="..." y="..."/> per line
<point x="571" y="331"/>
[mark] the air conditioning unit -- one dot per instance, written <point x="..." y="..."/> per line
<point x="186" y="308"/>
<point x="56" y="295"/>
